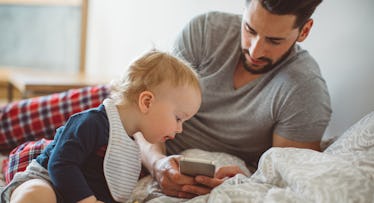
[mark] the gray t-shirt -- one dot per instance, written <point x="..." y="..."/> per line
<point x="292" y="100"/>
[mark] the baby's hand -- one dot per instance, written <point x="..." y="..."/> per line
<point x="138" y="137"/>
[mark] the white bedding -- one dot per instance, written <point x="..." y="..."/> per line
<point x="344" y="172"/>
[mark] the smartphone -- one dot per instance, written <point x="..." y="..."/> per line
<point x="193" y="167"/>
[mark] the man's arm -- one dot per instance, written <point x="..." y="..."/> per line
<point x="279" y="141"/>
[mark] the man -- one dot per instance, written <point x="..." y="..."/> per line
<point x="260" y="90"/>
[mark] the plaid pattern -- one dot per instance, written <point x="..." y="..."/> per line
<point x="21" y="156"/>
<point x="39" y="117"/>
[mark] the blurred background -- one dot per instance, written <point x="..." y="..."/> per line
<point x="96" y="40"/>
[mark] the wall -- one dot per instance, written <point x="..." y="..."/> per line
<point x="121" y="30"/>
<point x="340" y="41"/>
<point x="40" y="36"/>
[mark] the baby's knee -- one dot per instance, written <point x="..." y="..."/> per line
<point x="35" y="190"/>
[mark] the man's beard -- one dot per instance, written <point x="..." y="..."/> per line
<point x="270" y="66"/>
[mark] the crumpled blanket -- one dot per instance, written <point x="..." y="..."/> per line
<point x="297" y="175"/>
<point x="344" y="172"/>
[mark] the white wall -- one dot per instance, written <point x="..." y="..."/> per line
<point x="120" y="30"/>
<point x="343" y="44"/>
<point x="341" y="41"/>
<point x="40" y="37"/>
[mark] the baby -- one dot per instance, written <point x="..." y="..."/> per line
<point x="95" y="157"/>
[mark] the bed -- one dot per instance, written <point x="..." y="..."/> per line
<point x="343" y="172"/>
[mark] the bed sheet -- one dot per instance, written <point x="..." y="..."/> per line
<point x="344" y="172"/>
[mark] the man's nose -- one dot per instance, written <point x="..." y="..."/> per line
<point x="256" y="50"/>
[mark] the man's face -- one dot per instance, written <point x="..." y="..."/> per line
<point x="266" y="38"/>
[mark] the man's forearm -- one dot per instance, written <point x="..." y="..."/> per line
<point x="279" y="141"/>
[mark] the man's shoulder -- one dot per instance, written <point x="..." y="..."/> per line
<point x="219" y="18"/>
<point x="303" y="63"/>
<point x="222" y="15"/>
<point x="299" y="69"/>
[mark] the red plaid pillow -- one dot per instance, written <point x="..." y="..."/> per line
<point x="39" y="117"/>
<point x="21" y="156"/>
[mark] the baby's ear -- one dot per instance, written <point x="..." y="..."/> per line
<point x="145" y="101"/>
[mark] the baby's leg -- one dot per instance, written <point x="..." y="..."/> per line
<point x="34" y="191"/>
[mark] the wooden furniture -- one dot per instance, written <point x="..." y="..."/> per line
<point x="4" y="77"/>
<point x="31" y="83"/>
<point x="4" y="84"/>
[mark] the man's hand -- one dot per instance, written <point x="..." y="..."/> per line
<point x="206" y="184"/>
<point x="165" y="169"/>
<point x="171" y="181"/>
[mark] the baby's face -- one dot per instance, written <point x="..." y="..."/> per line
<point x="171" y="107"/>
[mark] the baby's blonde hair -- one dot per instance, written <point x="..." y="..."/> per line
<point x="149" y="71"/>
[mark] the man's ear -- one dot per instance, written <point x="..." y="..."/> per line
<point x="145" y="101"/>
<point x="305" y="30"/>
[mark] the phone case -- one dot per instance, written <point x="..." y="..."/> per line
<point x="194" y="167"/>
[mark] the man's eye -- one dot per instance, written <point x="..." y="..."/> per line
<point x="274" y="42"/>
<point x="178" y="119"/>
<point x="249" y="30"/>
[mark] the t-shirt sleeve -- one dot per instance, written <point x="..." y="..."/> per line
<point x="190" y="41"/>
<point x="305" y="111"/>
<point x="74" y="143"/>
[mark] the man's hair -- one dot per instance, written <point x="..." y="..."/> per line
<point x="302" y="9"/>
<point x="150" y="70"/>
